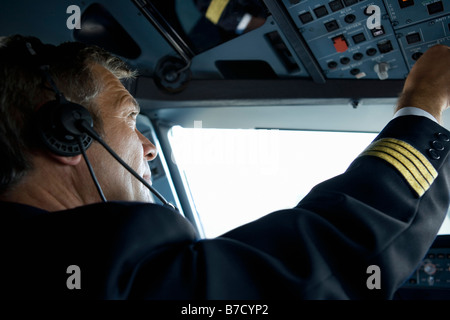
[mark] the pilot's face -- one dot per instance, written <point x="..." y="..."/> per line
<point x="118" y="110"/>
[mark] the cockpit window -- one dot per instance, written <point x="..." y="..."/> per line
<point x="235" y="176"/>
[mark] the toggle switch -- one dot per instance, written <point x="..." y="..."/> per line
<point x="382" y="69"/>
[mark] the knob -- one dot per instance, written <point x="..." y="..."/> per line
<point x="429" y="268"/>
<point x="382" y="69"/>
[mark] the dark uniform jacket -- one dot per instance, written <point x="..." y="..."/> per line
<point x="384" y="211"/>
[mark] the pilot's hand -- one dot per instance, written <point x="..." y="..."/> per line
<point x="428" y="84"/>
<point x="255" y="23"/>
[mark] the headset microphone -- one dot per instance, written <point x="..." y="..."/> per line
<point x="67" y="129"/>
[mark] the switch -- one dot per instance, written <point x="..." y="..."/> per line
<point x="306" y="17"/>
<point x="321" y="11"/>
<point x="340" y="44"/>
<point x="350" y="2"/>
<point x="358" y="38"/>
<point x="382" y="69"/>
<point x="336" y="5"/>
<point x="413" y="38"/>
<point x="435" y="7"/>
<point x="377" y="32"/>
<point x="385" y="46"/>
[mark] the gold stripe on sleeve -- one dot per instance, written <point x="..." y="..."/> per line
<point x="411" y="163"/>
<point x="406" y="163"/>
<point x="400" y="167"/>
<point x="429" y="167"/>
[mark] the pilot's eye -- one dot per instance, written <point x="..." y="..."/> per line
<point x="133" y="115"/>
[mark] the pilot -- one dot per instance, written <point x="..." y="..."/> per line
<point x="61" y="241"/>
<point x="234" y="16"/>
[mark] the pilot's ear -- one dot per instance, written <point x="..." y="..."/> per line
<point x="70" y="161"/>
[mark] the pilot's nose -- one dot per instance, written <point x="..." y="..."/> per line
<point x="150" y="151"/>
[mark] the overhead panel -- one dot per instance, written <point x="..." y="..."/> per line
<point x="376" y="39"/>
<point x="419" y="25"/>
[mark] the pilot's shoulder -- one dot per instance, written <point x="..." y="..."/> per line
<point x="137" y="220"/>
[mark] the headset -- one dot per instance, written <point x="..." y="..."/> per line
<point x="67" y="129"/>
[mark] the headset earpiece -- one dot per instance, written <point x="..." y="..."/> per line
<point x="59" y="129"/>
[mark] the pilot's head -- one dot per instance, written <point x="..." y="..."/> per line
<point x="87" y="75"/>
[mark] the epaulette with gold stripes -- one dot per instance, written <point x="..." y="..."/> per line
<point x="411" y="163"/>
<point x="215" y="10"/>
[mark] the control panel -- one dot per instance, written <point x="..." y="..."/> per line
<point x="433" y="272"/>
<point x="370" y="39"/>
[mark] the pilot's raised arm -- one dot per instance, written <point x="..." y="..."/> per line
<point x="59" y="240"/>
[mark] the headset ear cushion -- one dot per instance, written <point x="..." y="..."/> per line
<point x="57" y="126"/>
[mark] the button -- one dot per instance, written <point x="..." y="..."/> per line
<point x="434" y="154"/>
<point x="430" y="268"/>
<point x="416" y="55"/>
<point x="443" y="137"/>
<point x="345" y="60"/>
<point x="385" y="46"/>
<point x="437" y="145"/>
<point x="336" y="5"/>
<point x="413" y="38"/>
<point x="306" y="17"/>
<point x="340" y="44"/>
<point x="332" y="64"/>
<point x="358" y="38"/>
<point x="350" y="18"/>
<point x="331" y="26"/>
<point x="355" y="71"/>
<point x="321" y="11"/>
<point x="435" y="7"/>
<point x="358" y="56"/>
<point x="371" y="52"/>
<point x="350" y="2"/>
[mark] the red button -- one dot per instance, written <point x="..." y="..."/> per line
<point x="340" y="44"/>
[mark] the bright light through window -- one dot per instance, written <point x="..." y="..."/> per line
<point x="236" y="176"/>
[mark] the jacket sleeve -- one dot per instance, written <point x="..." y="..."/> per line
<point x="384" y="211"/>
